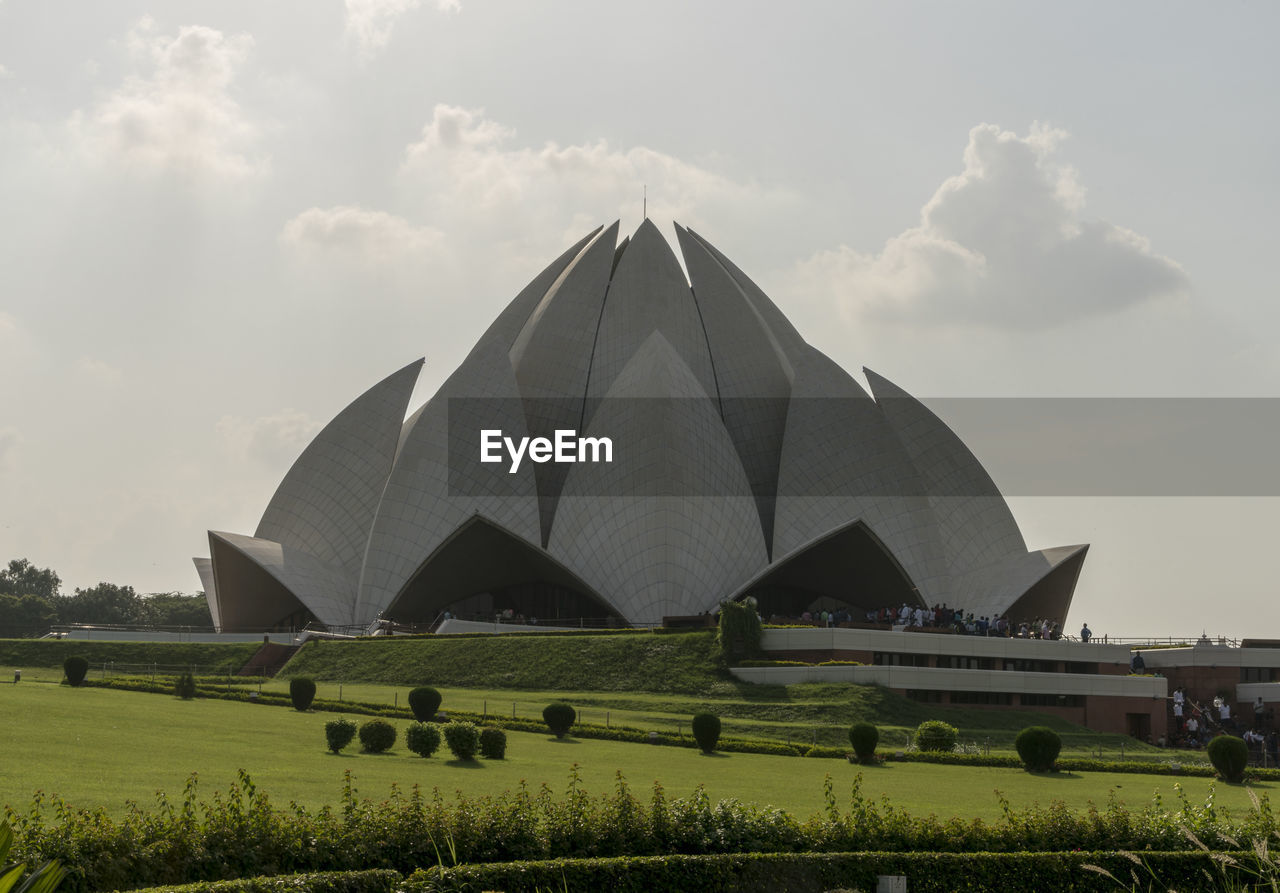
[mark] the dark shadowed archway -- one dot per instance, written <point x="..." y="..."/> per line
<point x="483" y="568"/>
<point x="848" y="567"/>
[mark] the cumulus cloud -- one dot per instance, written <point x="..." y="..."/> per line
<point x="357" y="235"/>
<point x="180" y="115"/>
<point x="1003" y="243"/>
<point x="99" y="372"/>
<point x="273" y="440"/>
<point x="370" y="22"/>
<point x="473" y="172"/>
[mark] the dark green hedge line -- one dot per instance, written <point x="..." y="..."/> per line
<point x="815" y="873"/>
<point x="769" y="872"/>
<point x="373" y="881"/>
<point x="1068" y="764"/>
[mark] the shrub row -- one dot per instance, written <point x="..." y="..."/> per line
<point x="377" y="880"/>
<point x="814" y="873"/>
<point x="774" y="663"/>
<point x="800" y="663"/>
<point x="242" y="834"/>
<point x="801" y="873"/>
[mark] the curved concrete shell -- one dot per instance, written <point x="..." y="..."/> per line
<point x="742" y="462"/>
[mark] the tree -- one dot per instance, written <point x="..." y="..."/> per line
<point x="176" y="609"/>
<point x="105" y="603"/>
<point x="22" y="577"/>
<point x="25" y="615"/>
<point x="739" y="634"/>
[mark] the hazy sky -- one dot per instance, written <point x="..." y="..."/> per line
<point x="221" y="222"/>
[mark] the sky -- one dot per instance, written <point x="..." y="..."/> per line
<point x="222" y="222"/>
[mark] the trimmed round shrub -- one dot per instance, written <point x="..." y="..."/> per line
<point x="463" y="739"/>
<point x="706" y="731"/>
<point x="377" y="735"/>
<point x="422" y="738"/>
<point x="493" y="743"/>
<point x="936" y="735"/>
<point x="1230" y="756"/>
<point x="1038" y="746"/>
<point x="864" y="737"/>
<point x="425" y="703"/>
<point x="302" y="691"/>
<point x="185" y="687"/>
<point x="76" y="669"/>
<point x="338" y="733"/>
<point x="559" y="718"/>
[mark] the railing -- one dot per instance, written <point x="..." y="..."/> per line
<point x="1174" y="642"/>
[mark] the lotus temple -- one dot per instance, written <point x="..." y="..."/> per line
<point x="628" y="443"/>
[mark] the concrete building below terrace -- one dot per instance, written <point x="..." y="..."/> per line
<point x="1089" y="684"/>
<point x="1239" y="675"/>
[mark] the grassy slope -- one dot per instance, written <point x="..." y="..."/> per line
<point x="52" y="652"/>
<point x="683" y="663"/>
<point x="650" y="681"/>
<point x="85" y="744"/>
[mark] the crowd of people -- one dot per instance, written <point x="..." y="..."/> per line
<point x="939" y="618"/>
<point x="1194" y="725"/>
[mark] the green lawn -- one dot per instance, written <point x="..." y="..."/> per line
<point x="800" y="714"/>
<point x="98" y="747"/>
<point x="644" y="680"/>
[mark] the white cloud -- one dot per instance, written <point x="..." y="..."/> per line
<point x="370" y="22"/>
<point x="273" y="440"/>
<point x="180" y="115"/>
<point x="474" y="175"/>
<point x="357" y="235"/>
<point x="4" y="72"/>
<point x="99" y="372"/>
<point x="1002" y="244"/>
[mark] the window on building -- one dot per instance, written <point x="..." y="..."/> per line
<point x="1038" y="700"/>
<point x="894" y="659"/>
<point x="1079" y="666"/>
<point x="1257" y="674"/>
<point x="981" y="697"/>
<point x="925" y="695"/>
<point x="956" y="662"/>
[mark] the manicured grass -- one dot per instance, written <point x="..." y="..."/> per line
<point x="50" y="653"/>
<point x="98" y="747"/>
<point x="640" y="679"/>
<point x="646" y="661"/>
<point x="653" y="681"/>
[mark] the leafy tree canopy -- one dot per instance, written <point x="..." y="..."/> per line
<point x="22" y="577"/>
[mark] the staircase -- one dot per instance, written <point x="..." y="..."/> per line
<point x="268" y="659"/>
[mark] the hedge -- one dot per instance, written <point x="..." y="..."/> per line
<point x="817" y="872"/>
<point x="243" y="834"/>
<point x="377" y="880"/>
<point x="763" y="872"/>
